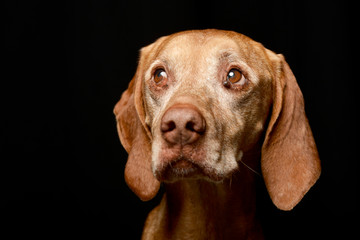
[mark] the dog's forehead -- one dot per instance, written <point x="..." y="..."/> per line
<point x="202" y="54"/>
<point x="198" y="50"/>
<point x="198" y="45"/>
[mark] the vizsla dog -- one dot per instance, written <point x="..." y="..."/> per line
<point x="206" y="111"/>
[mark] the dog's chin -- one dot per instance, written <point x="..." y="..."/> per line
<point x="185" y="169"/>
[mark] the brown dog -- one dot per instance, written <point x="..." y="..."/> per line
<point x="204" y="112"/>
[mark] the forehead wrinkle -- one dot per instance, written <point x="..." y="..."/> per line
<point x="232" y="55"/>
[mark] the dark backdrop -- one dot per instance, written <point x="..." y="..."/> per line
<point x="65" y="65"/>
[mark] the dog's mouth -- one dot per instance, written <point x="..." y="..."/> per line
<point x="184" y="168"/>
<point x="177" y="169"/>
<point x="184" y="165"/>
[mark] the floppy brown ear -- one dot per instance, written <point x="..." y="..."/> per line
<point x="133" y="133"/>
<point x="289" y="160"/>
<point x="134" y="137"/>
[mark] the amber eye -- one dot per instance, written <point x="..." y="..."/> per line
<point x="234" y="76"/>
<point x="160" y="75"/>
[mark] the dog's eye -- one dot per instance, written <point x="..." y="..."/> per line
<point x="160" y="75"/>
<point x="235" y="76"/>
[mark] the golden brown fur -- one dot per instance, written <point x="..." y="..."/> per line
<point x="210" y="193"/>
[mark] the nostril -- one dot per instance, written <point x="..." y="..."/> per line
<point x="168" y="126"/>
<point x="196" y="125"/>
<point x="190" y="126"/>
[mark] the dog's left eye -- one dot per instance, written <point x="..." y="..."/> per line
<point x="160" y="75"/>
<point x="235" y="77"/>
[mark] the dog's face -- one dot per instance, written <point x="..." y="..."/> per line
<point x="201" y="101"/>
<point x="227" y="80"/>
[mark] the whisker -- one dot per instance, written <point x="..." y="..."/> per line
<point x="250" y="168"/>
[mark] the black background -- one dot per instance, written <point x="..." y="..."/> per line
<point x="65" y="65"/>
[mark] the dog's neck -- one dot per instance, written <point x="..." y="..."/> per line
<point x="200" y="209"/>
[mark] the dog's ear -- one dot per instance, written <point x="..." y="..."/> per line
<point x="135" y="137"/>
<point x="289" y="159"/>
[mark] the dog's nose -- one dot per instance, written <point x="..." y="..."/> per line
<point x="182" y="124"/>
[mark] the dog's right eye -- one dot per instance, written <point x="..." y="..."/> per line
<point x="160" y="75"/>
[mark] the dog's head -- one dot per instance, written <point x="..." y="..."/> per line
<point x="201" y="101"/>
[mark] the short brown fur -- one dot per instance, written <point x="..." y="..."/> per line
<point x="262" y="125"/>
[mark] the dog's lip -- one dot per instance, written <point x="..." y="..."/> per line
<point x="178" y="169"/>
<point x="183" y="168"/>
<point x="183" y="164"/>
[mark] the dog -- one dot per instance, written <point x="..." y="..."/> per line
<point x="205" y="113"/>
